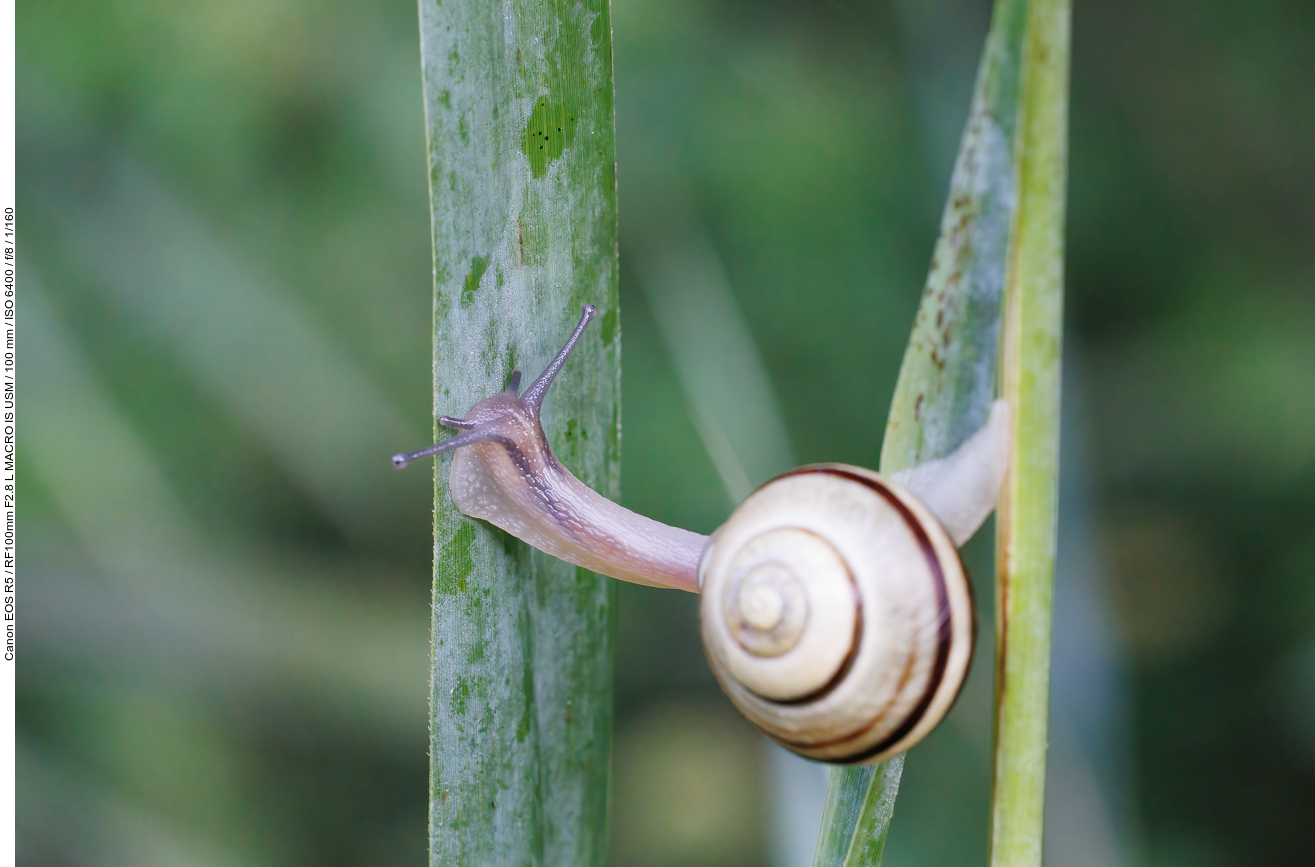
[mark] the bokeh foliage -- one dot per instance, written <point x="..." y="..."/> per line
<point x="276" y="150"/>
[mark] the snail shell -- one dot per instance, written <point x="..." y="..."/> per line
<point x="836" y="614"/>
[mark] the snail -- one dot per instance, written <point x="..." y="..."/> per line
<point x="834" y="609"/>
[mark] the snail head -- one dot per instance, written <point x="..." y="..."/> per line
<point x="507" y="418"/>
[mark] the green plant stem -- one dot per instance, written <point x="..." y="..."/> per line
<point x="1025" y="541"/>
<point x="519" y="115"/>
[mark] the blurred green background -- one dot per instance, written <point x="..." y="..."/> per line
<point x="225" y="307"/>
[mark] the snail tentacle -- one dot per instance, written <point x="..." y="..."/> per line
<point x="458" y="423"/>
<point x="533" y="397"/>
<point x="469" y="437"/>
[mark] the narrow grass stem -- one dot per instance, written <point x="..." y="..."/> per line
<point x="1030" y="381"/>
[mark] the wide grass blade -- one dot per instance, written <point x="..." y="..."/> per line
<point x="518" y="101"/>
<point x="947" y="379"/>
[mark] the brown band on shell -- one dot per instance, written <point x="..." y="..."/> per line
<point x="944" y="626"/>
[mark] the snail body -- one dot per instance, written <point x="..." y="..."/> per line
<point x="834" y="609"/>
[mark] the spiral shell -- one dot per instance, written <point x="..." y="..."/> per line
<point x="836" y="614"/>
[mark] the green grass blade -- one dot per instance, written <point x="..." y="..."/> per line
<point x="947" y="379"/>
<point x="845" y="797"/>
<point x="1025" y="541"/>
<point x="869" y="840"/>
<point x="854" y="827"/>
<point x="518" y="101"/>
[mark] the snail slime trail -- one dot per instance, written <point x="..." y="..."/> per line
<point x="834" y="609"/>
